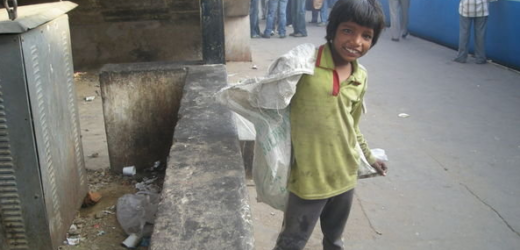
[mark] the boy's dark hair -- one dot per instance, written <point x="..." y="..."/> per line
<point x="366" y="13"/>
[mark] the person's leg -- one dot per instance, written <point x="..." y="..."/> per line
<point x="272" y="5"/>
<point x="309" y="5"/>
<point x="299" y="221"/>
<point x="253" y="19"/>
<point x="300" y="18"/>
<point x="264" y="9"/>
<point x="405" y="4"/>
<point x="276" y="14"/>
<point x="288" y="13"/>
<point x="282" y="18"/>
<point x="314" y="16"/>
<point x="294" y="14"/>
<point x="479" y="26"/>
<point x="324" y="13"/>
<point x="334" y="218"/>
<point x="465" y="22"/>
<point x="395" y="19"/>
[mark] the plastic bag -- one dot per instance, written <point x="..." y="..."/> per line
<point x="264" y="102"/>
<point x="136" y="212"/>
<point x="364" y="169"/>
<point x="271" y="160"/>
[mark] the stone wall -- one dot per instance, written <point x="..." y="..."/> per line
<point x="140" y="106"/>
<point x="128" y="31"/>
<point x="122" y="31"/>
<point x="204" y="200"/>
<point x="237" y="35"/>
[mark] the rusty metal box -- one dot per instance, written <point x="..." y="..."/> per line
<point x="42" y="171"/>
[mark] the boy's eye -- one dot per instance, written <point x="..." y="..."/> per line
<point x="367" y="37"/>
<point x="347" y="31"/>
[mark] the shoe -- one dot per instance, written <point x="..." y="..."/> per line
<point x="255" y="36"/>
<point x="282" y="36"/>
<point x="322" y="24"/>
<point x="481" y="62"/>
<point x="405" y="35"/>
<point x="266" y="36"/>
<point x="313" y="22"/>
<point x="459" y="60"/>
<point x="292" y="34"/>
<point x="299" y="35"/>
<point x="395" y="39"/>
<point x="272" y="33"/>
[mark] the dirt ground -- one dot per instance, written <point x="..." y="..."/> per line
<point x="96" y="226"/>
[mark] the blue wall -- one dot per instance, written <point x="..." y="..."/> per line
<point x="438" y="21"/>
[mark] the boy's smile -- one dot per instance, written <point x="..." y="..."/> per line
<point x="351" y="42"/>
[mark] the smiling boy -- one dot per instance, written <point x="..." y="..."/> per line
<point x="325" y="114"/>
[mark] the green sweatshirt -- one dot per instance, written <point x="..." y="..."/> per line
<point x="324" y="130"/>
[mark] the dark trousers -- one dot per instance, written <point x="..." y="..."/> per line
<point x="301" y="216"/>
<point x="298" y="16"/>
<point x="479" y="26"/>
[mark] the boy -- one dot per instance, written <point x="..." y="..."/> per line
<point x="325" y="113"/>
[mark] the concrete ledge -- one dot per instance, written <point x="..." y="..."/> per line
<point x="205" y="203"/>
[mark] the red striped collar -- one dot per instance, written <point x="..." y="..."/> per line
<point x="329" y="64"/>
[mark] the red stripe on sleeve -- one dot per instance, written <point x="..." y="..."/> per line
<point x="335" y="83"/>
<point x="320" y="51"/>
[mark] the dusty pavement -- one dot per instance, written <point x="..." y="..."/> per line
<point x="454" y="180"/>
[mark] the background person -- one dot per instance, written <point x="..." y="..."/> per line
<point x="253" y="19"/>
<point x="323" y="12"/>
<point x="275" y="7"/>
<point x="298" y="18"/>
<point x="473" y="12"/>
<point x="399" y="18"/>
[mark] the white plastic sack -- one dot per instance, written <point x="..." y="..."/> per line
<point x="272" y="151"/>
<point x="264" y="102"/>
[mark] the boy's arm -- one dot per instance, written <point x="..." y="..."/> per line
<point x="377" y="164"/>
<point x="356" y="114"/>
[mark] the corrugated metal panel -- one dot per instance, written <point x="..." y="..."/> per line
<point x="39" y="138"/>
<point x="20" y="162"/>
<point x="32" y="16"/>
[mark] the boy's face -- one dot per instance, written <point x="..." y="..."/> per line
<point x="351" y="42"/>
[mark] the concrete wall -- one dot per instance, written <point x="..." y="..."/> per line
<point x="236" y="28"/>
<point x="238" y="42"/>
<point x="204" y="201"/>
<point x="127" y="31"/>
<point x="140" y="106"/>
<point x="122" y="31"/>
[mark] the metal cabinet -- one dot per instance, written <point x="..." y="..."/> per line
<point x="42" y="171"/>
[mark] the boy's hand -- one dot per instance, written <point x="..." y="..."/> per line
<point x="380" y="167"/>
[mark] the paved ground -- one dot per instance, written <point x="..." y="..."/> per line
<point x="454" y="179"/>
